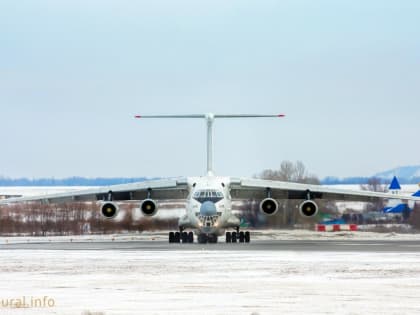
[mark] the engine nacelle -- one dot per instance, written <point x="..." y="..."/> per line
<point x="308" y="209"/>
<point x="109" y="209"/>
<point x="149" y="207"/>
<point x="269" y="206"/>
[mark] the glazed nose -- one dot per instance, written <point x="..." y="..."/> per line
<point x="208" y="208"/>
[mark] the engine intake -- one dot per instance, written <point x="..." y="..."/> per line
<point x="109" y="210"/>
<point x="308" y="208"/>
<point x="148" y="207"/>
<point x="269" y="206"/>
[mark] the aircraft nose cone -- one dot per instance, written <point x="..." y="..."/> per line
<point x="208" y="208"/>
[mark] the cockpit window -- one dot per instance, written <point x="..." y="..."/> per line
<point x="208" y="195"/>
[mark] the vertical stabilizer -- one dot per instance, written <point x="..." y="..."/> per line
<point x="209" y="117"/>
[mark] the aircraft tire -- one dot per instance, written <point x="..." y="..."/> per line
<point x="241" y="237"/>
<point x="171" y="237"/>
<point x="184" y="237"/>
<point x="202" y="238"/>
<point x="177" y="237"/>
<point x="190" y="237"/>
<point x="234" y="237"/>
<point x="228" y="237"/>
<point x="212" y="238"/>
<point x="247" y="237"/>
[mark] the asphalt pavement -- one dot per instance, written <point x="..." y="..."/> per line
<point x="257" y="245"/>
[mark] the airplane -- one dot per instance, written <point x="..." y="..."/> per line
<point x="209" y="197"/>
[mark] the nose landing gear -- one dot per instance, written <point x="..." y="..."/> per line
<point x="207" y="238"/>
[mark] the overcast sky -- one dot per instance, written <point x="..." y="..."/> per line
<point x="74" y="73"/>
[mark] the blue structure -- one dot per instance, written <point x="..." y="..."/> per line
<point x="395" y="188"/>
<point x="400" y="208"/>
<point x="395" y="185"/>
<point x="416" y="194"/>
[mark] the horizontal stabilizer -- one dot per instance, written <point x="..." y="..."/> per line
<point x="210" y="115"/>
<point x="170" y="116"/>
<point x="209" y="118"/>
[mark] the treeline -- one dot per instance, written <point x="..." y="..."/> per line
<point x="288" y="215"/>
<point x="73" y="219"/>
<point x="70" y="181"/>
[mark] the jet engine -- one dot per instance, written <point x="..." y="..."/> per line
<point x="149" y="207"/>
<point x="109" y="209"/>
<point x="269" y="206"/>
<point x="308" y="208"/>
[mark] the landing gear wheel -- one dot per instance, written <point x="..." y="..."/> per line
<point x="184" y="237"/>
<point x="171" y="237"/>
<point x="202" y="238"/>
<point x="190" y="237"/>
<point x="212" y="238"/>
<point x="228" y="237"/>
<point x="247" y="237"/>
<point x="241" y="237"/>
<point x="234" y="238"/>
<point x="177" y="237"/>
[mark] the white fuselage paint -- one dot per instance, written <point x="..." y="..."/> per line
<point x="214" y="224"/>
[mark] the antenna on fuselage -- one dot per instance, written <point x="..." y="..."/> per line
<point x="209" y="117"/>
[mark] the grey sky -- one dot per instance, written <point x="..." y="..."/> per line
<point x="73" y="74"/>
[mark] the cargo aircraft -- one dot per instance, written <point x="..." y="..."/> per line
<point x="209" y="197"/>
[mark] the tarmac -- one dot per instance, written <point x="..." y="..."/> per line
<point x="373" y="246"/>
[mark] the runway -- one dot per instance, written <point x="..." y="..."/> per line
<point x="390" y="246"/>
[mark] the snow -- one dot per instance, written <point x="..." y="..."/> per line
<point x="405" y="189"/>
<point x="212" y="282"/>
<point x="115" y="282"/>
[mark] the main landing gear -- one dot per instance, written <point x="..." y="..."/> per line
<point x="238" y="236"/>
<point x="181" y="237"/>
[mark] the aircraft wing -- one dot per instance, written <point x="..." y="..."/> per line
<point x="247" y="188"/>
<point x="159" y="189"/>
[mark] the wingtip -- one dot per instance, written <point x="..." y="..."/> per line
<point x="281" y="115"/>
<point x="137" y="116"/>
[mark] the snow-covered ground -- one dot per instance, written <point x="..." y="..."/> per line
<point x="211" y="282"/>
<point x="405" y="189"/>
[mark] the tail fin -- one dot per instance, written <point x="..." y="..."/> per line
<point x="209" y="117"/>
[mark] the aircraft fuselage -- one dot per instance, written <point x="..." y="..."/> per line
<point x="209" y="206"/>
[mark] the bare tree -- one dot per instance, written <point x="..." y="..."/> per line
<point x="290" y="172"/>
<point x="287" y="171"/>
<point x="374" y="184"/>
<point x="414" y="218"/>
